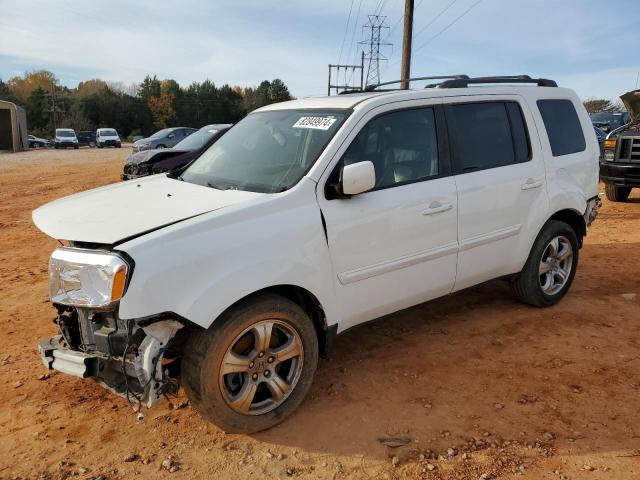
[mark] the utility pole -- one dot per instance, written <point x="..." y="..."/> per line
<point x="375" y="26"/>
<point x="405" y="73"/>
<point x="55" y="109"/>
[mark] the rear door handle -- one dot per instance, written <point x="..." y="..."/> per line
<point x="437" y="207"/>
<point x="532" y="183"/>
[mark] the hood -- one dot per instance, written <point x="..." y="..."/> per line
<point x="631" y="101"/>
<point x="109" y="137"/>
<point x="143" y="141"/>
<point x="152" y="155"/>
<point x="124" y="210"/>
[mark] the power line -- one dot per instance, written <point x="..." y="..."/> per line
<point x="395" y="25"/>
<point x="381" y="5"/>
<point x="346" y="30"/>
<point x="433" y="20"/>
<point x="352" y="45"/>
<point x="459" y="17"/>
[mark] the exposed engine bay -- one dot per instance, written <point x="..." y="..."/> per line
<point x="137" y="360"/>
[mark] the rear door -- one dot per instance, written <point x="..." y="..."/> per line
<point x="396" y="245"/>
<point x="499" y="171"/>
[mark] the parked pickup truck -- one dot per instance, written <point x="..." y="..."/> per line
<point x="620" y="165"/>
<point x="310" y="217"/>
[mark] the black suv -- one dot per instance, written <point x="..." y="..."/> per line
<point x="620" y="163"/>
<point x="87" y="139"/>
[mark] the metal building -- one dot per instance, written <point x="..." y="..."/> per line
<point x="13" y="127"/>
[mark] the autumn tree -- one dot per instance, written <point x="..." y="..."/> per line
<point x="22" y="87"/>
<point x="162" y="109"/>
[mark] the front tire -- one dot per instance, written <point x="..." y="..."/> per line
<point x="615" y="193"/>
<point x="253" y="367"/>
<point x="551" y="267"/>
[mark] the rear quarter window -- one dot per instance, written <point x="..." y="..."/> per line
<point x="486" y="135"/>
<point x="563" y="127"/>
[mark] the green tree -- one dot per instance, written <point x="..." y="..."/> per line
<point x="279" y="91"/>
<point x="150" y="87"/>
<point x="38" y="115"/>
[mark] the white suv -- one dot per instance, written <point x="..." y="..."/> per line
<point x="307" y="218"/>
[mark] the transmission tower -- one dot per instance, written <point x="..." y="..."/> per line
<point x="377" y="24"/>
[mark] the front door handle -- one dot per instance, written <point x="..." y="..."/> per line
<point x="437" y="207"/>
<point x="532" y="183"/>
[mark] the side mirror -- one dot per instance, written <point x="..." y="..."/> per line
<point x="358" y="178"/>
<point x="171" y="135"/>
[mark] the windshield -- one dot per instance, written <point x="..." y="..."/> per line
<point x="162" y="133"/>
<point x="65" y="133"/>
<point x="607" y="117"/>
<point x="267" y="151"/>
<point x="197" y="139"/>
<point x="108" y="132"/>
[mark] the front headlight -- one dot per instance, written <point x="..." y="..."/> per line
<point x="85" y="278"/>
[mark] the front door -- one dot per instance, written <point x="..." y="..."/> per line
<point x="396" y="245"/>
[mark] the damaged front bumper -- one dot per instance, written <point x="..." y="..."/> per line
<point x="126" y="358"/>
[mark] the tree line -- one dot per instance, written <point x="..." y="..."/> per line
<point x="138" y="109"/>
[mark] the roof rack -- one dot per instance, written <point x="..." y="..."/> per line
<point x="465" y="82"/>
<point x="371" y="88"/>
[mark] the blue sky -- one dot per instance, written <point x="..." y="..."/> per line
<point x="583" y="44"/>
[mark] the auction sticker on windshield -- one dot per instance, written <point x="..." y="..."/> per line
<point x="319" y="123"/>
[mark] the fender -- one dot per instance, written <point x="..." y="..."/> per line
<point x="203" y="265"/>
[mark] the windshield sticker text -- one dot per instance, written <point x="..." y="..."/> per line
<point x="318" y="123"/>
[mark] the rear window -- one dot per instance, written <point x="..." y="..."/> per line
<point x="563" y="127"/>
<point x="487" y="135"/>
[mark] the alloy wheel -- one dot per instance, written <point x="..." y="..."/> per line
<point x="555" y="265"/>
<point x="261" y="367"/>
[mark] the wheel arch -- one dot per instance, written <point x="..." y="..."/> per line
<point x="574" y="219"/>
<point x="305" y="300"/>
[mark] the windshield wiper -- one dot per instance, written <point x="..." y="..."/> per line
<point x="217" y="186"/>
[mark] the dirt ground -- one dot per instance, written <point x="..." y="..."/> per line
<point x="477" y="383"/>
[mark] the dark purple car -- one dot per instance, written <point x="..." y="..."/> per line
<point x="149" y="162"/>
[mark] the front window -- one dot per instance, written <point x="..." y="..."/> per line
<point x="267" y="151"/>
<point x="66" y="133"/>
<point x="108" y="133"/>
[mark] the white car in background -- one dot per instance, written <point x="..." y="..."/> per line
<point x="107" y="137"/>
<point x="65" y="138"/>
<point x="310" y="217"/>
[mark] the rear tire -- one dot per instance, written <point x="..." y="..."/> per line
<point x="269" y="370"/>
<point x="551" y="267"/>
<point x="616" y="193"/>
